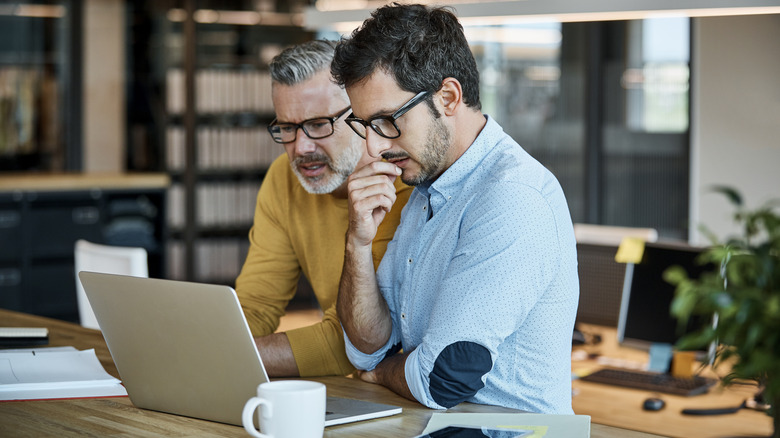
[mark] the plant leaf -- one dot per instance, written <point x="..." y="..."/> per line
<point x="730" y="193"/>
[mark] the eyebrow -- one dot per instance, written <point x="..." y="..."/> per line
<point x="280" y="121"/>
<point x="381" y="112"/>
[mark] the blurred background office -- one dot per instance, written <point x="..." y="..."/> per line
<point x="637" y="109"/>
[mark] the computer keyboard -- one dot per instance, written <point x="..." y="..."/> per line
<point x="655" y="382"/>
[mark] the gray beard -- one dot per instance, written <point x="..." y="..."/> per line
<point x="340" y="169"/>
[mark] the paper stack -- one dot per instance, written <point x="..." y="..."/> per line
<point x="51" y="373"/>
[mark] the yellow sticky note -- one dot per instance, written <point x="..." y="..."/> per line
<point x="630" y="250"/>
<point x="538" y="431"/>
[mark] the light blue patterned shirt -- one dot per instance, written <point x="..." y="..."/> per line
<point x="484" y="293"/>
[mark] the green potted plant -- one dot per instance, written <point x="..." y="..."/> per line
<point x="744" y="292"/>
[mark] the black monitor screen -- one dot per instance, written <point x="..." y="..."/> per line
<point x="645" y="306"/>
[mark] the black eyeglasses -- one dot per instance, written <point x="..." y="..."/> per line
<point x="316" y="128"/>
<point x="385" y="125"/>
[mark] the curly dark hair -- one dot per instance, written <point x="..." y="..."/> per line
<point x="419" y="46"/>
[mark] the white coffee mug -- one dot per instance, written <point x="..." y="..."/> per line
<point x="288" y="409"/>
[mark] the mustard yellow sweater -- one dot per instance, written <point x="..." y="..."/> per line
<point x="295" y="232"/>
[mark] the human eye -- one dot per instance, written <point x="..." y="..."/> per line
<point x="317" y="123"/>
<point x="286" y="128"/>
<point x="318" y="126"/>
<point x="384" y="126"/>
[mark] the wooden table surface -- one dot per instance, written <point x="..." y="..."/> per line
<point x="118" y="417"/>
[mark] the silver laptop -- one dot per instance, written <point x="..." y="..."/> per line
<point x="185" y="348"/>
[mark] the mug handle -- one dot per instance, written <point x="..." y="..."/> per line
<point x="249" y="410"/>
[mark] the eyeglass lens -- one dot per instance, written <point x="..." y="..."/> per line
<point x="316" y="128"/>
<point x="385" y="125"/>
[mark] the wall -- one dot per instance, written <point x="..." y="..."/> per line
<point x="104" y="82"/>
<point x="735" y="125"/>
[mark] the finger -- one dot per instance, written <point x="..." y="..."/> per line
<point x="381" y="189"/>
<point x="367" y="376"/>
<point x="370" y="180"/>
<point x="377" y="168"/>
<point x="366" y="207"/>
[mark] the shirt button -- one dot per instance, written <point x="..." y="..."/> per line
<point x="403" y="316"/>
<point x="410" y="261"/>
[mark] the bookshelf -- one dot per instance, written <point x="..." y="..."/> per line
<point x="40" y="84"/>
<point x="209" y="133"/>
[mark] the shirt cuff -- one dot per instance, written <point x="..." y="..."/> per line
<point x="363" y="361"/>
<point x="415" y="381"/>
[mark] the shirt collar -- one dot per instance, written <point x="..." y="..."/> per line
<point x="450" y="183"/>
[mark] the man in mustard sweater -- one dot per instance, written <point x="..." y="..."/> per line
<point x="301" y="216"/>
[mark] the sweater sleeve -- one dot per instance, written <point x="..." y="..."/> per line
<point x="319" y="348"/>
<point x="269" y="277"/>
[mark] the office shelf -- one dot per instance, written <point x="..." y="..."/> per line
<point x="42" y="217"/>
<point x="209" y="89"/>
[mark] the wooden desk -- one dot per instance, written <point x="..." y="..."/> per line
<point x="622" y="407"/>
<point x="118" y="416"/>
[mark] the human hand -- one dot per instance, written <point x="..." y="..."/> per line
<point x="366" y="376"/>
<point x="371" y="196"/>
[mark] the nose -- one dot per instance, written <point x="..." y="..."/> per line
<point x="376" y="144"/>
<point x="303" y="144"/>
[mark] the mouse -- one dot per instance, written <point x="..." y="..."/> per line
<point x="653" y="404"/>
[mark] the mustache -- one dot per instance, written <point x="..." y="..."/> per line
<point x="387" y="156"/>
<point x="311" y="158"/>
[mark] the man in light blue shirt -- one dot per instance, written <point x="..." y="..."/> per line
<point x="476" y="296"/>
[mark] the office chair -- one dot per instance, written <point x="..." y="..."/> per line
<point x="106" y="259"/>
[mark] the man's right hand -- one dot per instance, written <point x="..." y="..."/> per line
<point x="371" y="196"/>
<point x="362" y="309"/>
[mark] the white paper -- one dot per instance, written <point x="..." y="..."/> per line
<point x="54" y="373"/>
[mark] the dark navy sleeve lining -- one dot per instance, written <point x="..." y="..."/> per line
<point x="457" y="372"/>
<point x="393" y="350"/>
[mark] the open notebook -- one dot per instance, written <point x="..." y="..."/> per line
<point x="185" y="348"/>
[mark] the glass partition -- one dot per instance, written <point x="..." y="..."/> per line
<point x="604" y="106"/>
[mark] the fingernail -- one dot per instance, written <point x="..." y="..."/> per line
<point x="398" y="170"/>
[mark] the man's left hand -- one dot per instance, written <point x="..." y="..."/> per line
<point x="366" y="376"/>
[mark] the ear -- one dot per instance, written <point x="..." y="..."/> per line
<point x="450" y="96"/>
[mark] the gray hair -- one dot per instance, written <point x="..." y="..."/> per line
<point x="299" y="63"/>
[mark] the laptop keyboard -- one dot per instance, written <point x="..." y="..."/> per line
<point x="655" y="382"/>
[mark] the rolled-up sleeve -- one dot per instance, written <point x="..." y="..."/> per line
<point x="368" y="362"/>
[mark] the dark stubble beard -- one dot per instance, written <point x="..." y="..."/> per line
<point x="432" y="159"/>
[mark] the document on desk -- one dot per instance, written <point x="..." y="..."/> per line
<point x="51" y="373"/>
<point x="543" y="425"/>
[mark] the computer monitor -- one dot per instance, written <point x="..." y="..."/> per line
<point x="645" y="317"/>
<point x="601" y="284"/>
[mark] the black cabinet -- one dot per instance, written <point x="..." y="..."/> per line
<point x="39" y="228"/>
